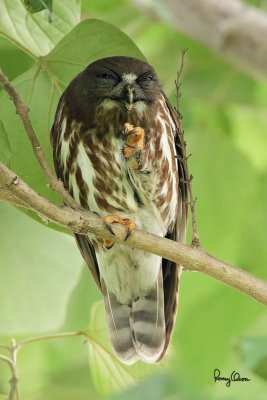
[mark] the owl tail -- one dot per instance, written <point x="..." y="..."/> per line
<point x="137" y="331"/>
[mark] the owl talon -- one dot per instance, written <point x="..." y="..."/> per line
<point x="108" y="244"/>
<point x="110" y="219"/>
<point x="134" y="140"/>
<point x="129" y="231"/>
<point x="109" y="228"/>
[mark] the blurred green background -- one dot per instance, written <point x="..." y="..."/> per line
<point x="45" y="288"/>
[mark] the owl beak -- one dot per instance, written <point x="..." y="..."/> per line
<point x="129" y="98"/>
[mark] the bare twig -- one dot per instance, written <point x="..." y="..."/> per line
<point x="23" y="112"/>
<point x="178" y="82"/>
<point x="83" y="222"/>
<point x="11" y="361"/>
<point x="188" y="177"/>
<point x="48" y="337"/>
<point x="13" y="393"/>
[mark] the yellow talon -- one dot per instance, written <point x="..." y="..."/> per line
<point x="134" y="139"/>
<point x="110" y="219"/>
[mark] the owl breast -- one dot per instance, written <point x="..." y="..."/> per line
<point x="95" y="171"/>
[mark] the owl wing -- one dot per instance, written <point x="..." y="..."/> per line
<point x="87" y="250"/>
<point x="170" y="270"/>
<point x="85" y="246"/>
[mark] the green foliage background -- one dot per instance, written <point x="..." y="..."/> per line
<point x="44" y="286"/>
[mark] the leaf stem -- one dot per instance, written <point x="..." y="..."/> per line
<point x="48" y="337"/>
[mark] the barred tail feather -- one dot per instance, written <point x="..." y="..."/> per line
<point x="137" y="331"/>
<point x="148" y="323"/>
<point x="118" y="316"/>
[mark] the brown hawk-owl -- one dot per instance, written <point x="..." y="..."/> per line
<point x="118" y="150"/>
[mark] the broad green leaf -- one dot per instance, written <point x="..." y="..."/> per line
<point x="13" y="60"/>
<point x="38" y="5"/>
<point x="4" y="145"/>
<point x="231" y="214"/>
<point x="249" y="134"/>
<point x="254" y="353"/>
<point x="33" y="32"/>
<point x="108" y="373"/>
<point x="41" y="86"/>
<point x="3" y="397"/>
<point x="35" y="279"/>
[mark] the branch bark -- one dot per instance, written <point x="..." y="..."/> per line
<point x="231" y="28"/>
<point x="23" y="112"/>
<point x="15" y="190"/>
<point x="83" y="222"/>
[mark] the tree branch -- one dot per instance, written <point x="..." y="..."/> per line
<point x="23" y="112"/>
<point x="14" y="379"/>
<point x="15" y="190"/>
<point x="234" y="29"/>
<point x="83" y="222"/>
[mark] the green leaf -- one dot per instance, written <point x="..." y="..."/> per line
<point x="3" y="397"/>
<point x="4" y="145"/>
<point x="35" y="280"/>
<point x="41" y="87"/>
<point x="254" y="353"/>
<point x="108" y="373"/>
<point x="231" y="215"/>
<point x="247" y="120"/>
<point x="34" y="6"/>
<point x="38" y="5"/>
<point x="33" y="32"/>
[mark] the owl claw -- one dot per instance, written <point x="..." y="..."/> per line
<point x="134" y="140"/>
<point x="109" y="227"/>
<point x="107" y="244"/>
<point x="129" y="231"/>
<point x="110" y="219"/>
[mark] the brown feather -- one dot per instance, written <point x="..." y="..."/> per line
<point x="170" y="270"/>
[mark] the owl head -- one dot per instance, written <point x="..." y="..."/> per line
<point x="118" y="82"/>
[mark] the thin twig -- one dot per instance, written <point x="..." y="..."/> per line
<point x="23" y="111"/>
<point x="12" y="360"/>
<point x="6" y="360"/>
<point x="178" y="81"/>
<point x="188" y="177"/>
<point x="5" y="347"/>
<point x="14" y="380"/>
<point x="48" y="337"/>
<point x="84" y="222"/>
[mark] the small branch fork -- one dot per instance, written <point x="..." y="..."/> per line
<point x="13" y="349"/>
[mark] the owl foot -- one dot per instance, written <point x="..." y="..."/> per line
<point x="134" y="140"/>
<point x="109" y="220"/>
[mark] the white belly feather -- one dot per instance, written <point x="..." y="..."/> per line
<point x="127" y="272"/>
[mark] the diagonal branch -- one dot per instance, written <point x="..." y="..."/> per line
<point x="83" y="222"/>
<point x="15" y="190"/>
<point x="23" y="112"/>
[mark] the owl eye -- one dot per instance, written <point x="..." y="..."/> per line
<point x="106" y="76"/>
<point x="146" y="78"/>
